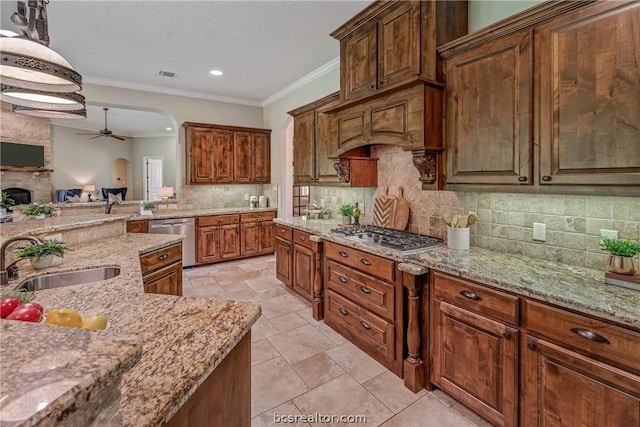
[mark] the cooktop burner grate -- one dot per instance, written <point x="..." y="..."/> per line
<point x="403" y="241"/>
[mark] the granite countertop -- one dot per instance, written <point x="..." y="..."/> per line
<point x="576" y="288"/>
<point x="173" y="213"/>
<point x="183" y="339"/>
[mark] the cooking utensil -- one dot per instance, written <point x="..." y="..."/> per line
<point x="455" y="221"/>
<point x="401" y="214"/>
<point x="462" y="221"/>
<point x="448" y="218"/>
<point x="472" y="218"/>
<point x="383" y="209"/>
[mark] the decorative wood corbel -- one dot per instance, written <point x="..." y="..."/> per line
<point x="343" y="168"/>
<point x="426" y="161"/>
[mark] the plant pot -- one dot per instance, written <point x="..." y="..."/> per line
<point x="43" y="262"/>
<point x="346" y="220"/>
<point x="621" y="264"/>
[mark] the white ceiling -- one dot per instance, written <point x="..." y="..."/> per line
<point x="261" y="46"/>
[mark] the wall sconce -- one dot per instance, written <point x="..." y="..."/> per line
<point x="89" y="188"/>
<point x="165" y="192"/>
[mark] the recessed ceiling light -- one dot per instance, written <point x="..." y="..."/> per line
<point x="169" y="128"/>
<point x="215" y="72"/>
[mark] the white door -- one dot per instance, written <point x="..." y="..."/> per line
<point x="153" y="177"/>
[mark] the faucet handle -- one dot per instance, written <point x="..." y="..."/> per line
<point x="12" y="271"/>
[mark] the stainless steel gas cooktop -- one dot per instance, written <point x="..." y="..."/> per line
<point x="403" y="241"/>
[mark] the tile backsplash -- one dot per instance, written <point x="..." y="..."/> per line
<point x="505" y="220"/>
<point x="219" y="196"/>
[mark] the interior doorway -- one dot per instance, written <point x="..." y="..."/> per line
<point x="287" y="187"/>
<point x="152" y="179"/>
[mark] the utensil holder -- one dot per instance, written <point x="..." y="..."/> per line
<point x="458" y="238"/>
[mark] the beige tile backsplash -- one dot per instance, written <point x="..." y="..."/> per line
<point x="505" y="220"/>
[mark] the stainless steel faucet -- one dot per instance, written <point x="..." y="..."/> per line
<point x="11" y="271"/>
<point x="109" y="205"/>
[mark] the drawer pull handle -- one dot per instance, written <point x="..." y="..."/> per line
<point x="343" y="311"/>
<point x="470" y="295"/>
<point x="365" y="325"/>
<point x="506" y="336"/>
<point x="258" y="216"/>
<point x="303" y="238"/>
<point x="282" y="231"/>
<point x="531" y="346"/>
<point x="522" y="178"/>
<point x="546" y="178"/>
<point x="365" y="289"/>
<point x="162" y="257"/>
<point x="590" y="335"/>
<point x="365" y="261"/>
<point x="343" y="279"/>
<point x="219" y="220"/>
<point x="343" y="254"/>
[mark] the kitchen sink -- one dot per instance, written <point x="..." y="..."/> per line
<point x="69" y="278"/>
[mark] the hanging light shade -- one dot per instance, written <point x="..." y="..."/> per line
<point x="50" y="114"/>
<point x="41" y="100"/>
<point x="28" y="64"/>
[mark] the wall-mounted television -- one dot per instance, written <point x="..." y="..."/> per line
<point x="21" y="155"/>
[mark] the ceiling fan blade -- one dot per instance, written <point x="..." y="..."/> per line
<point x="121" y="138"/>
<point x="97" y="136"/>
<point x="92" y="133"/>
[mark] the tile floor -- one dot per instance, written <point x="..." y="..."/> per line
<point x="301" y="366"/>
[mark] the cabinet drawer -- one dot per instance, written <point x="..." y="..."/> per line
<point x="370" y="264"/>
<point x="161" y="258"/>
<point x="302" y="238"/>
<point x="208" y="221"/>
<point x="373" y="294"/>
<point x="363" y="326"/>
<point x="257" y="216"/>
<point x="595" y="336"/>
<point x="284" y="233"/>
<point x="475" y="297"/>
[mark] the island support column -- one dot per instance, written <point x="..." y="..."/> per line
<point x="415" y="279"/>
<point x="318" y="287"/>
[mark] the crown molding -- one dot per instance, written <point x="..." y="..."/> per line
<point x="317" y="73"/>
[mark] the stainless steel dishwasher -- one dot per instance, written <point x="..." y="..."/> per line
<point x="184" y="226"/>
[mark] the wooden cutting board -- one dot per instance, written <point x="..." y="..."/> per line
<point x="401" y="214"/>
<point x="383" y="209"/>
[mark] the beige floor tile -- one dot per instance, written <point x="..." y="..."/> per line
<point x="261" y="351"/>
<point x="272" y="383"/>
<point x="237" y="286"/>
<point x="203" y="281"/>
<point x="318" y="369"/>
<point x="298" y="344"/>
<point x="307" y="314"/>
<point x="333" y="335"/>
<point x="264" y="283"/>
<point x="268" y="418"/>
<point x="288" y="321"/>
<point x="231" y="277"/>
<point x="199" y="291"/>
<point x="278" y="306"/>
<point x="262" y="329"/>
<point x="427" y="412"/>
<point x="356" y="362"/>
<point x="343" y="396"/>
<point x="244" y="295"/>
<point x="475" y="419"/>
<point x="390" y="390"/>
<point x="273" y="292"/>
<point x="443" y="397"/>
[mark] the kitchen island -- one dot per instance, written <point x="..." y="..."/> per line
<point x="184" y="340"/>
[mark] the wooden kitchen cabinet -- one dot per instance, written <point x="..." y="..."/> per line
<point x="138" y="226"/>
<point x="284" y="255"/>
<point x="303" y="271"/>
<point x="218" y="154"/>
<point x="217" y="238"/>
<point x="162" y="271"/>
<point x="474" y="347"/>
<point x="578" y="370"/>
<point x="257" y="232"/>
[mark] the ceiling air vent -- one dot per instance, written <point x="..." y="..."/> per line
<point x="169" y="74"/>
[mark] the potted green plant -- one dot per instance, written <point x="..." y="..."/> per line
<point x="346" y="211"/>
<point x="621" y="253"/>
<point x="37" y="211"/>
<point x="6" y="203"/>
<point x="42" y="255"/>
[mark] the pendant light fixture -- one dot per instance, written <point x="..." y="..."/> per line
<point x="33" y="75"/>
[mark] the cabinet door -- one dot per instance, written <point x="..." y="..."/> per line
<point x="475" y="360"/>
<point x="138" y="226"/>
<point x="284" y="268"/>
<point x="358" y="68"/>
<point x="167" y="281"/>
<point x="207" y="244"/>
<point x="261" y="157"/>
<point x="398" y="43"/>
<point x="590" y="96"/>
<point x="229" y="241"/>
<point x="223" y="155"/>
<point x="325" y="171"/>
<point x="303" y="148"/>
<point x="250" y="239"/>
<point x="267" y="237"/>
<point x="489" y="140"/>
<point x="243" y="154"/>
<point x="304" y="267"/>
<point x="201" y="155"/>
<point x="562" y="387"/>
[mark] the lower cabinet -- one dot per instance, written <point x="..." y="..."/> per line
<point x="257" y="233"/>
<point x="303" y="268"/>
<point x="284" y="255"/>
<point x="162" y="271"/>
<point x="138" y="226"/>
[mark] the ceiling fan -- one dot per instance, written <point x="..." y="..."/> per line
<point x="106" y="133"/>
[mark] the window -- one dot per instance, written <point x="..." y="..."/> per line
<point x="300" y="199"/>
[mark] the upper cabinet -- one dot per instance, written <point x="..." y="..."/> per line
<point x="219" y="154"/>
<point x="548" y="100"/>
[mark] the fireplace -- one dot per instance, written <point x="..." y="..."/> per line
<point x="21" y="196"/>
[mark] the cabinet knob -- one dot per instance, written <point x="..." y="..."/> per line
<point x="590" y="335"/>
<point x="365" y="261"/>
<point x="282" y="230"/>
<point x="163" y="257"/>
<point x="343" y="311"/>
<point x="531" y="346"/>
<point x="546" y="178"/>
<point x="258" y="216"/>
<point x="506" y="336"/>
<point x="343" y="279"/>
<point x="343" y="254"/>
<point x="303" y="238"/>
<point x="522" y="178"/>
<point x="372" y="86"/>
<point x="470" y="295"/>
<point x="219" y="220"/>
<point x="365" y="290"/>
<point x="365" y="325"/>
